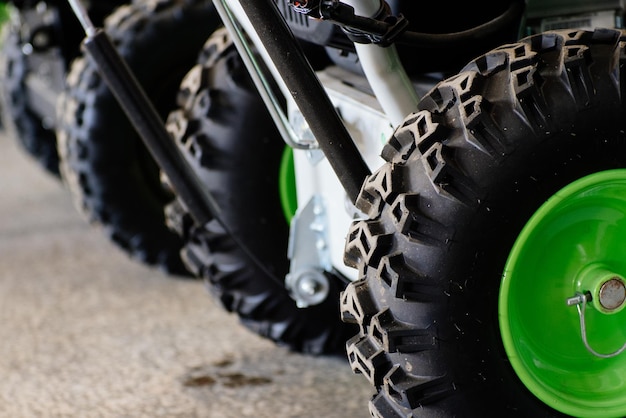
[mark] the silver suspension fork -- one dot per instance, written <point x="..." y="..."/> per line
<point x="238" y="25"/>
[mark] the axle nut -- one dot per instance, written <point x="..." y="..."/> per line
<point x="612" y="294"/>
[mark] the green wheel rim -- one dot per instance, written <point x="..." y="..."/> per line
<point x="571" y="243"/>
<point x="287" y="185"/>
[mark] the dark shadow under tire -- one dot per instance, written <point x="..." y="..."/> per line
<point x="229" y="138"/>
<point x="463" y="177"/>
<point x="114" y="180"/>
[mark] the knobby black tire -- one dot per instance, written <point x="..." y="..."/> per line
<point x="25" y="125"/>
<point x="20" y="60"/>
<point x="113" y="178"/>
<point x="463" y="176"/>
<point x="228" y="137"/>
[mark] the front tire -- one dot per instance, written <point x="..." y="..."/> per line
<point x="464" y="176"/>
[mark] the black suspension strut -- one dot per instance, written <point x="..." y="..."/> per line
<point x="293" y="67"/>
<point x="309" y="95"/>
<point x="141" y="112"/>
<point x="198" y="201"/>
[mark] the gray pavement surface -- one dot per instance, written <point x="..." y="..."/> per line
<point x="87" y="332"/>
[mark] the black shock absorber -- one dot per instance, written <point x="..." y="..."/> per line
<point x="146" y="121"/>
<point x="198" y="200"/>
<point x="308" y="93"/>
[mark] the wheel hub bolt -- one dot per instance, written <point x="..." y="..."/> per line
<point x="612" y="294"/>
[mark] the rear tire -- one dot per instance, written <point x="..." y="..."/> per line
<point x="464" y="175"/>
<point x="39" y="42"/>
<point x="112" y="176"/>
<point x="34" y="136"/>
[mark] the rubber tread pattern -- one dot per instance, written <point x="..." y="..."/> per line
<point x="413" y="311"/>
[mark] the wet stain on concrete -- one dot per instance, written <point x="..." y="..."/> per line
<point x="235" y="380"/>
<point x="197" y="381"/>
<point x="225" y="362"/>
<point x="206" y="376"/>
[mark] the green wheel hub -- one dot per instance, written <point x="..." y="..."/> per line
<point x="574" y="244"/>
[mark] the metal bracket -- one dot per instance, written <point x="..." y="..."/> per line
<point x="309" y="254"/>
<point x="381" y="30"/>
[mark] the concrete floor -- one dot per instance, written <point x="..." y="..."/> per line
<point x="87" y="332"/>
